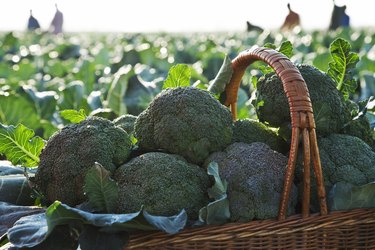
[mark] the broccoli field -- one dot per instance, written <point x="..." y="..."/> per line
<point x="106" y="134"/>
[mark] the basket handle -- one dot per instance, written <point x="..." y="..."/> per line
<point x="302" y="120"/>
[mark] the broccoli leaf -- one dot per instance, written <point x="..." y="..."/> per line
<point x="340" y="69"/>
<point x="220" y="187"/>
<point x="178" y="76"/>
<point x="217" y="85"/>
<point x="286" y="48"/>
<point x="19" y="145"/>
<point x="118" y="89"/>
<point x="100" y="189"/>
<point x="217" y="211"/>
<point x="32" y="230"/>
<point x="345" y="196"/>
<point x="73" y="116"/>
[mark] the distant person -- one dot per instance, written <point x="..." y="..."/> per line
<point x="57" y="22"/>
<point x="32" y="23"/>
<point x="251" y="27"/>
<point x="292" y="20"/>
<point x="339" y="17"/>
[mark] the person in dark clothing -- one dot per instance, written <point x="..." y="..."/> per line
<point x="57" y="22"/>
<point x="339" y="18"/>
<point x="32" y="23"/>
<point x="251" y="27"/>
<point x="292" y="20"/>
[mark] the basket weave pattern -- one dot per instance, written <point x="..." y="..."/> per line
<point x="353" y="229"/>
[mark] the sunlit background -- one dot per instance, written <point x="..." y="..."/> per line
<point x="179" y="16"/>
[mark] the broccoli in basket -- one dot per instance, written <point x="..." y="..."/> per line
<point x="69" y="153"/>
<point x="163" y="183"/>
<point x="186" y="121"/>
<point x="330" y="110"/>
<point x="255" y="176"/>
<point x="344" y="158"/>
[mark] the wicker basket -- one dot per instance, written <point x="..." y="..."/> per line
<point x="353" y="229"/>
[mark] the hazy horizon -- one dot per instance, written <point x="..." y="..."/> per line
<point x="167" y="16"/>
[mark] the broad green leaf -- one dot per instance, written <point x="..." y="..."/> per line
<point x="73" y="97"/>
<point x="45" y="101"/>
<point x="13" y="109"/>
<point x="15" y="189"/>
<point x="85" y="72"/>
<point x="217" y="86"/>
<point x="217" y="211"/>
<point x="29" y="231"/>
<point x="117" y="91"/>
<point x="340" y="69"/>
<point x="19" y="145"/>
<point x="10" y="213"/>
<point x="178" y="76"/>
<point x="74" y="116"/>
<point x="33" y="230"/>
<point x="345" y="196"/>
<point x="101" y="190"/>
<point x="220" y="187"/>
<point x="286" y="48"/>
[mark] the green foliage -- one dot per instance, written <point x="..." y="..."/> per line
<point x="217" y="211"/>
<point x="20" y="146"/>
<point x="344" y="62"/>
<point x="73" y="116"/>
<point x="33" y="230"/>
<point x="217" y="86"/>
<point x="118" y="90"/>
<point x="346" y="196"/>
<point x="286" y="48"/>
<point x="100" y="189"/>
<point x="178" y="76"/>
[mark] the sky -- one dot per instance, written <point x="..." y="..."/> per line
<point x="178" y="16"/>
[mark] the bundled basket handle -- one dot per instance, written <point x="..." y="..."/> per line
<point x="302" y="121"/>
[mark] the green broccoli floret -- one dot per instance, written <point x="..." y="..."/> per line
<point x="126" y="122"/>
<point x="329" y="107"/>
<point x="249" y="131"/>
<point x="70" y="152"/>
<point x="186" y="121"/>
<point x="255" y="176"/>
<point x="360" y="128"/>
<point x="344" y="158"/>
<point x="163" y="183"/>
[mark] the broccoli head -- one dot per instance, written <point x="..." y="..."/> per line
<point x="126" y="122"/>
<point x="186" y="121"/>
<point x="360" y="128"/>
<point x="344" y="158"/>
<point x="70" y="152"/>
<point x="249" y="131"/>
<point x="330" y="110"/>
<point x="163" y="183"/>
<point x="255" y="176"/>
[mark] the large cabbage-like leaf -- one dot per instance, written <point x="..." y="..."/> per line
<point x="178" y="76"/>
<point x="19" y="145"/>
<point x="345" y="196"/>
<point x="344" y="62"/>
<point x="33" y="230"/>
<point x="217" y="211"/>
<point x="72" y="115"/>
<point x="100" y="189"/>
